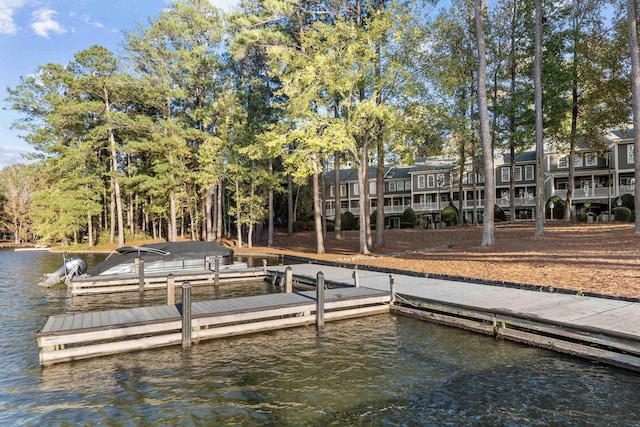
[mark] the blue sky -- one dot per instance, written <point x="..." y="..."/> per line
<point x="38" y="32"/>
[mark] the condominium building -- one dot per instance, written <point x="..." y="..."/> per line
<point x="430" y="184"/>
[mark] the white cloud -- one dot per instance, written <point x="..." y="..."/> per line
<point x="10" y="155"/>
<point x="7" y="9"/>
<point x="42" y="23"/>
<point x="87" y="20"/>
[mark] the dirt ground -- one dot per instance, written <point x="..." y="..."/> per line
<point x="590" y="258"/>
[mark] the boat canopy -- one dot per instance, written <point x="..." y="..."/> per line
<point x="161" y="254"/>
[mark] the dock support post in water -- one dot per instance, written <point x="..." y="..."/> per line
<point x="216" y="273"/>
<point x="140" y="275"/>
<point x="320" y="300"/>
<point x="171" y="289"/>
<point x="288" y="280"/>
<point x="356" y="279"/>
<point x="264" y="266"/>
<point x="392" y="289"/>
<point x="186" y="315"/>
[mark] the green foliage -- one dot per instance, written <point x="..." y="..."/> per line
<point x="449" y="215"/>
<point x="628" y="201"/>
<point x="348" y="221"/>
<point x="623" y="214"/>
<point x="558" y="207"/>
<point x="409" y="218"/>
<point x="498" y="213"/>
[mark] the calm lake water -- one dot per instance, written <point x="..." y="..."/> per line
<point x="376" y="371"/>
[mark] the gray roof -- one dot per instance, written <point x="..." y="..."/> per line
<point x="527" y="156"/>
<point x="623" y="133"/>
<point x="352" y="174"/>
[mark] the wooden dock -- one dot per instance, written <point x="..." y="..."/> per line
<point x="602" y="329"/>
<point x="91" y="285"/>
<point x="84" y="335"/>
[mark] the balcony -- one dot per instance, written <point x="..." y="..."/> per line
<point x="505" y="202"/>
<point x="428" y="206"/>
<point x="589" y="193"/>
<point x="626" y="189"/>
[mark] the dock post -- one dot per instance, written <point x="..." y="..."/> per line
<point x="216" y="273"/>
<point x="171" y="289"/>
<point x="320" y="300"/>
<point x="288" y="280"/>
<point x="141" y="276"/>
<point x="186" y="315"/>
<point x="392" y="289"/>
<point x="264" y="266"/>
<point x="207" y="263"/>
<point x="356" y="279"/>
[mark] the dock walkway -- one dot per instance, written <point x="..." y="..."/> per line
<point x="602" y="329"/>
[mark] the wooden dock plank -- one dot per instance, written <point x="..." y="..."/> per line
<point x="570" y="323"/>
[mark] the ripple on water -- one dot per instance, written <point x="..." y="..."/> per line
<point x="378" y="370"/>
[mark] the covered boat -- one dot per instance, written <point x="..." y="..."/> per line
<point x="166" y="257"/>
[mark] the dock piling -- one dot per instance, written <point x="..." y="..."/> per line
<point x="320" y="300"/>
<point x="186" y="315"/>
<point x="356" y="279"/>
<point x="392" y="289"/>
<point x="140" y="275"/>
<point x="288" y="280"/>
<point x="171" y="289"/>
<point x="216" y="273"/>
<point x="264" y="266"/>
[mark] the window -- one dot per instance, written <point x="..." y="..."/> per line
<point x="343" y="190"/>
<point x="562" y="184"/>
<point x="518" y="173"/>
<point x="401" y="186"/>
<point x="481" y="178"/>
<point x="332" y="191"/>
<point x="431" y="181"/>
<point x="440" y="179"/>
<point x="420" y="181"/>
<point x="372" y="187"/>
<point x="591" y="159"/>
<point x="356" y="189"/>
<point x="392" y="186"/>
<point x="630" y="155"/>
<point x="505" y="174"/>
<point x="577" y="160"/>
<point x="563" y="162"/>
<point x="468" y="178"/>
<point x="528" y="173"/>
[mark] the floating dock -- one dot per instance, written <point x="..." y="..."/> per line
<point x="606" y="330"/>
<point x="70" y="337"/>
<point x="91" y="285"/>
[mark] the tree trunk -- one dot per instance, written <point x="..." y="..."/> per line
<point x="173" y="230"/>
<point x="290" y="213"/>
<point x="537" y="76"/>
<point x="485" y="137"/>
<point x="316" y="206"/>
<point x="362" y="182"/>
<point x="632" y="25"/>
<point x="271" y="214"/>
<point x="208" y="219"/>
<point x="337" y="220"/>
<point x="238" y="222"/>
<point x="380" y="193"/>
<point x="89" y="228"/>
<point x="219" y="214"/>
